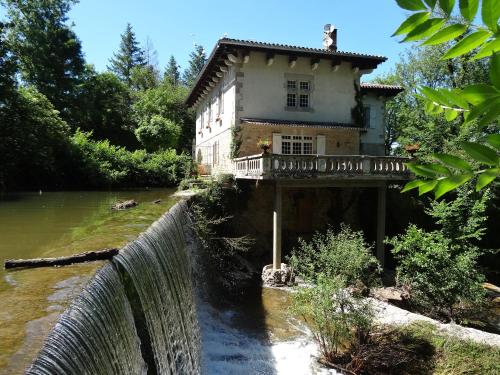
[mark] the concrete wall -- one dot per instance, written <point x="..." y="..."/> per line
<point x="213" y="137"/>
<point x="372" y="141"/>
<point x="264" y="89"/>
<point x="338" y="141"/>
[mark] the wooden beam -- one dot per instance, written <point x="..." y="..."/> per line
<point x="314" y="64"/>
<point x="270" y="59"/>
<point x="233" y="58"/>
<point x="292" y="61"/>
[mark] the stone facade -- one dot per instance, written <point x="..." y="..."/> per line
<point x="338" y="141"/>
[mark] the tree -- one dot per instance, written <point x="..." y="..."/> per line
<point x="33" y="142"/>
<point x="49" y="52"/>
<point x="8" y="70"/>
<point x="197" y="61"/>
<point x="172" y="72"/>
<point x="433" y="24"/>
<point x="144" y="78"/>
<point x="103" y="108"/>
<point x="128" y="56"/>
<point x="158" y="133"/>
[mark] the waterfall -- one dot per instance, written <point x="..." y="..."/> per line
<point x="136" y="316"/>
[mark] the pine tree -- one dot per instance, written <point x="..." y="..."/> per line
<point x="198" y="58"/>
<point x="129" y="56"/>
<point x="172" y="73"/>
<point x="49" y="52"/>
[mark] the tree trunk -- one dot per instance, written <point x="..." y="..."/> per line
<point x="61" y="261"/>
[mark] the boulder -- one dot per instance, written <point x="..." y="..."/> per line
<point x="281" y="277"/>
<point x="123" y="205"/>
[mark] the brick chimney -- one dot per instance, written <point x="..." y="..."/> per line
<point x="330" y="37"/>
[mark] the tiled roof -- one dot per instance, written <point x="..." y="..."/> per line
<point x="387" y="90"/>
<point x="228" y="45"/>
<point x="291" y="48"/>
<point x="295" y="123"/>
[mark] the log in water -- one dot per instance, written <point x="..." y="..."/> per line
<point x="61" y="261"/>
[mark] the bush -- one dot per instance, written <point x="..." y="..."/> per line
<point x="344" y="254"/>
<point x="339" y="320"/>
<point x="441" y="277"/>
<point x="101" y="164"/>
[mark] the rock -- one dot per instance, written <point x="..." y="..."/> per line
<point x="387" y="294"/>
<point x="282" y="277"/>
<point x="123" y="205"/>
<point x="492" y="289"/>
<point x="157" y="201"/>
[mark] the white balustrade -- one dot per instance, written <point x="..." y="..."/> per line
<point x="282" y="166"/>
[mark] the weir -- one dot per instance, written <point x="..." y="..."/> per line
<point x="136" y="316"/>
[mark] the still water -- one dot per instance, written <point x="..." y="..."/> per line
<point x="53" y="224"/>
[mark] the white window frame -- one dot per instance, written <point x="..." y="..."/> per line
<point x="290" y="141"/>
<point x="300" y="87"/>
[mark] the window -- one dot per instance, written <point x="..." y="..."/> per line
<point x="298" y="93"/>
<point x="285" y="144"/>
<point x="304" y="101"/>
<point x="296" y="145"/>
<point x="366" y="115"/>
<point x="304" y="85"/>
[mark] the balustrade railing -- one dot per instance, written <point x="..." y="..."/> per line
<point x="271" y="166"/>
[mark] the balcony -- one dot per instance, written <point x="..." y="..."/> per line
<point x="342" y="167"/>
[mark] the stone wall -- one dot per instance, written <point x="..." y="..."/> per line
<point x="338" y="141"/>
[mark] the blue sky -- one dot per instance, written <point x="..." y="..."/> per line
<point x="174" y="26"/>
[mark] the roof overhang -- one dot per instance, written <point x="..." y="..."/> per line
<point x="300" y="124"/>
<point x="380" y="90"/>
<point x="225" y="46"/>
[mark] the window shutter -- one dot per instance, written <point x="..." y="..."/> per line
<point x="320" y="144"/>
<point x="276" y="143"/>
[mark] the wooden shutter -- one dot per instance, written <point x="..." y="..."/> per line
<point x="276" y="143"/>
<point x="320" y="144"/>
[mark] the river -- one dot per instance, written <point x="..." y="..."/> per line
<point x="53" y="224"/>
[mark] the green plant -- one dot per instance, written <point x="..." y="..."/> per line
<point x="338" y="319"/>
<point x="264" y="144"/>
<point x="358" y="112"/>
<point x="434" y="24"/>
<point x="443" y="278"/>
<point x="343" y="254"/>
<point x="236" y="142"/>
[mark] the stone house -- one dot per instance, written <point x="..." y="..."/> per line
<point x="323" y="126"/>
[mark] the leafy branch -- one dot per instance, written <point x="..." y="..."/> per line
<point x="432" y="23"/>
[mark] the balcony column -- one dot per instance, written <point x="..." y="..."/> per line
<point x="381" y="208"/>
<point x="277" y="227"/>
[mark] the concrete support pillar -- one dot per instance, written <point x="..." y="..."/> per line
<point x="381" y="208"/>
<point x="277" y="227"/>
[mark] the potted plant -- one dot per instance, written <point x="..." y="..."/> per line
<point x="412" y="148"/>
<point x="264" y="145"/>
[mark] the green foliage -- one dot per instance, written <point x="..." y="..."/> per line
<point x="236" y="142"/>
<point x="442" y="277"/>
<point x="357" y="112"/>
<point x="49" y="52"/>
<point x="128" y="56"/>
<point x="344" y="255"/>
<point x="197" y="60"/>
<point x="33" y="141"/>
<point x="158" y="134"/>
<point x="144" y="77"/>
<point x="479" y="103"/>
<point x="172" y="72"/>
<point x="338" y="319"/>
<point x="101" y="164"/>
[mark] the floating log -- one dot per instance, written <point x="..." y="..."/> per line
<point x="61" y="261"/>
<point x="123" y="205"/>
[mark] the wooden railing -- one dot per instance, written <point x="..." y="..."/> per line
<point x="272" y="166"/>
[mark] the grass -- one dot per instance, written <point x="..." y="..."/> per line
<point x="455" y="356"/>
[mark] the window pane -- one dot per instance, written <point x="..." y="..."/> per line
<point x="285" y="147"/>
<point x="304" y="85"/>
<point x="297" y="148"/>
<point x="308" y="148"/>
<point x="291" y="85"/>
<point x="304" y="101"/>
<point x="291" y="100"/>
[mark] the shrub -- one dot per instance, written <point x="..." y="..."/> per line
<point x="338" y="319"/>
<point x="344" y="254"/>
<point x="441" y="277"/>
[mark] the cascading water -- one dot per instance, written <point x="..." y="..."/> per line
<point x="136" y="316"/>
<point x="96" y="335"/>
